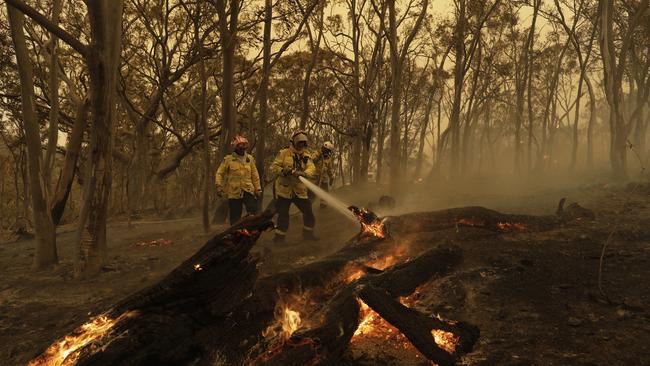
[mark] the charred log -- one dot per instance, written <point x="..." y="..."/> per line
<point x="337" y="321"/>
<point x="484" y="218"/>
<point x="158" y="325"/>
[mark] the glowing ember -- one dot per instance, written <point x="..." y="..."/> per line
<point x="368" y="322"/>
<point x="246" y="232"/>
<point x="468" y="222"/>
<point x="67" y="351"/>
<point x="371" y="224"/>
<point x="445" y="340"/>
<point x="197" y="267"/>
<point x="154" y="243"/>
<point x="508" y="226"/>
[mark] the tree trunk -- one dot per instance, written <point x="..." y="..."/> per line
<point x="46" y="253"/>
<point x="103" y="60"/>
<point x="306" y="86"/>
<point x="66" y="177"/>
<point x="459" y="78"/>
<point x="53" y="132"/>
<point x="396" y="97"/>
<point x="423" y="132"/>
<point x="207" y="187"/>
<point x="228" y="34"/>
<point x="264" y="95"/>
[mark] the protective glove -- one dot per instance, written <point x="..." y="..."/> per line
<point x="220" y="191"/>
<point x="257" y="194"/>
<point x="286" y="172"/>
<point x="298" y="173"/>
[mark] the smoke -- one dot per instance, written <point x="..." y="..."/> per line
<point x="334" y="202"/>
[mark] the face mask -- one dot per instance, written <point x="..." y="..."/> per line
<point x="240" y="150"/>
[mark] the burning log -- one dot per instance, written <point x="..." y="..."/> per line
<point x="215" y="301"/>
<point x="484" y="218"/>
<point x="157" y="325"/>
<point x="338" y="320"/>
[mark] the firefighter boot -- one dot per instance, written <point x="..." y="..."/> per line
<point x="308" y="234"/>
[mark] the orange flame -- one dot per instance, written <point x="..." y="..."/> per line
<point x="66" y="351"/>
<point x="371" y="224"/>
<point x="289" y="311"/>
<point x="445" y="340"/>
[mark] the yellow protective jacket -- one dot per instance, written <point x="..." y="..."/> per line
<point x="324" y="168"/>
<point x="236" y="177"/>
<point x="290" y="186"/>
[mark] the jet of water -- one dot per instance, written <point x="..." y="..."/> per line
<point x="334" y="202"/>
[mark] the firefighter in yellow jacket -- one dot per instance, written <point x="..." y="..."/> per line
<point x="289" y="165"/>
<point x="324" y="169"/>
<point x="238" y="180"/>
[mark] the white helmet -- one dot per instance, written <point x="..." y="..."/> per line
<point x="328" y="145"/>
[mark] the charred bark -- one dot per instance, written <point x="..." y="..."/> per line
<point x="484" y="218"/>
<point x="158" y="324"/>
<point x="325" y="343"/>
<point x="214" y="301"/>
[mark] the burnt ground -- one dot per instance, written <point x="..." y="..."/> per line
<point x="534" y="295"/>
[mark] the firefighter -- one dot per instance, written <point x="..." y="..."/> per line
<point x="291" y="163"/>
<point x="323" y="162"/>
<point x="238" y="180"/>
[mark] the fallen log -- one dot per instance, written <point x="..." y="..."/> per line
<point x="484" y="218"/>
<point x="157" y="325"/>
<point x="336" y="322"/>
<point x="214" y="301"/>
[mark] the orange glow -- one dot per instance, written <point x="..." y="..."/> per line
<point x="508" y="226"/>
<point x="197" y="267"/>
<point x="371" y="224"/>
<point x="66" y="351"/>
<point x="372" y="325"/>
<point x="445" y="340"/>
<point x="375" y="229"/>
<point x="469" y="222"/>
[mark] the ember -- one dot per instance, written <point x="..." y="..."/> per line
<point x="67" y="350"/>
<point x="372" y="325"/>
<point x="154" y="243"/>
<point x="371" y="224"/>
<point x="508" y="226"/>
<point x="446" y="340"/>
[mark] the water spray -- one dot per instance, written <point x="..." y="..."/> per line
<point x="334" y="202"/>
<point x="371" y="224"/>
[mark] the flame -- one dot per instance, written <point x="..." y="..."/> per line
<point x="375" y="229"/>
<point x="66" y="351"/>
<point x="288" y="316"/>
<point x="445" y="340"/>
<point x="373" y="326"/>
<point x="197" y="267"/>
<point x="371" y="224"/>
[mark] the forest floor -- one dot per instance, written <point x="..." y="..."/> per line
<point x="534" y="296"/>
